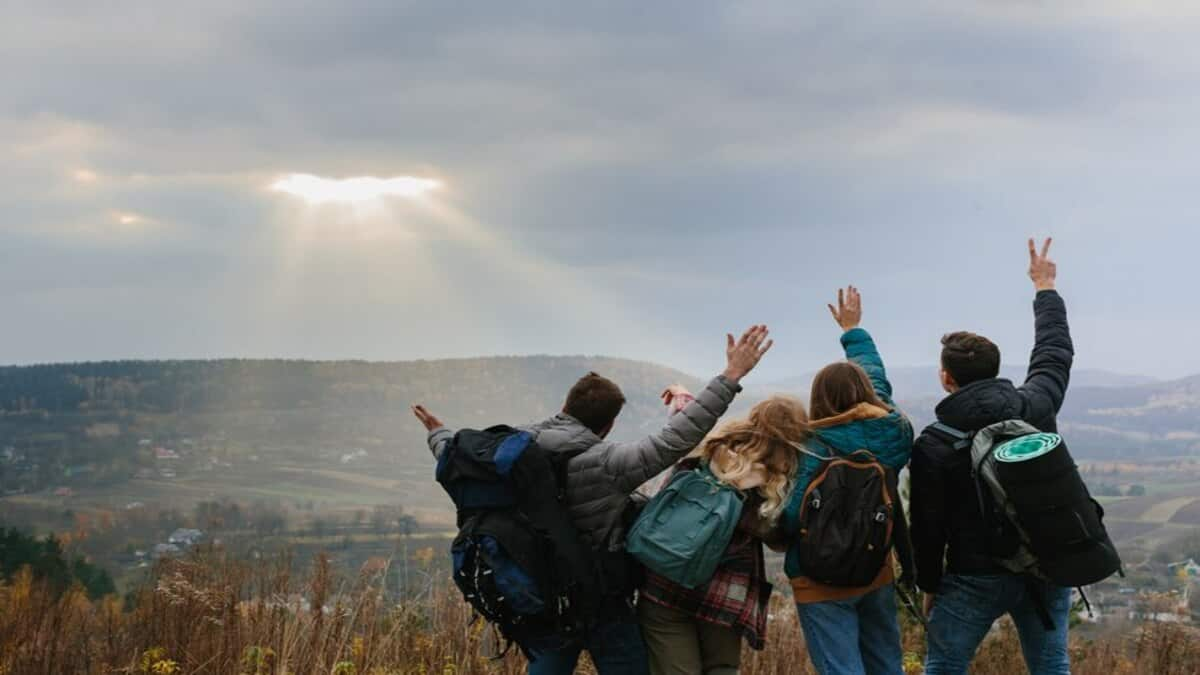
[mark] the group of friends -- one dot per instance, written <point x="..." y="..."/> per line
<point x="657" y="626"/>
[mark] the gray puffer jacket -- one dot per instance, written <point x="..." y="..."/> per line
<point x="601" y="479"/>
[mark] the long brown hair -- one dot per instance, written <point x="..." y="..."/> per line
<point x="839" y="387"/>
<point x="764" y="438"/>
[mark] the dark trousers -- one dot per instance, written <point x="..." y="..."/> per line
<point x="616" y="647"/>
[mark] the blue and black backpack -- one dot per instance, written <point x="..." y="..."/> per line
<point x="518" y="559"/>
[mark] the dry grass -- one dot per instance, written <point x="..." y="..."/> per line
<point x="209" y="614"/>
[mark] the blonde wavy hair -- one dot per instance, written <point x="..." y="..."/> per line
<point x="761" y="443"/>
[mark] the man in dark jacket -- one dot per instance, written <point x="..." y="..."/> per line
<point x="966" y="591"/>
<point x="601" y="476"/>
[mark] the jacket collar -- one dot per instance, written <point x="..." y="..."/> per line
<point x="862" y="411"/>
<point x="979" y="404"/>
<point x="566" y="433"/>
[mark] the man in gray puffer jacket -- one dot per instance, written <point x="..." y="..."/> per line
<point x="600" y="480"/>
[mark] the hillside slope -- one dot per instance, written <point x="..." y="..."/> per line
<point x="95" y="414"/>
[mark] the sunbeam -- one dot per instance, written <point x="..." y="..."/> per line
<point x="319" y="190"/>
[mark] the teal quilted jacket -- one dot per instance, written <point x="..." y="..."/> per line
<point x="887" y="434"/>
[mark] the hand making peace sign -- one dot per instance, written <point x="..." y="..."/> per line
<point x="1041" y="268"/>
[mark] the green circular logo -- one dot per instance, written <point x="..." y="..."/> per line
<point x="1028" y="447"/>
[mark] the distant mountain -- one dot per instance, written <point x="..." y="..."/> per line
<point x="1157" y="418"/>
<point x="104" y="422"/>
<point x="922" y="381"/>
<point x="1105" y="414"/>
<point x="76" y="415"/>
<point x="307" y="400"/>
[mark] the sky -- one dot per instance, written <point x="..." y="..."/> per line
<point x="622" y="178"/>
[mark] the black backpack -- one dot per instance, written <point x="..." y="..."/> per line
<point x="1041" y="519"/>
<point x="517" y="559"/>
<point x="850" y="520"/>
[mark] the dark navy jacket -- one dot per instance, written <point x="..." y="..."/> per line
<point x="948" y="531"/>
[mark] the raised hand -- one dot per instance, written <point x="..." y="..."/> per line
<point x="1041" y="268"/>
<point x="743" y="354"/>
<point x="676" y="397"/>
<point x="848" y="313"/>
<point x="673" y="392"/>
<point x="426" y="418"/>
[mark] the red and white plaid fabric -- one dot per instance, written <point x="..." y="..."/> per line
<point x="736" y="596"/>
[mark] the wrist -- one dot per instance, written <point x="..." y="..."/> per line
<point x="1044" y="285"/>
<point x="733" y="374"/>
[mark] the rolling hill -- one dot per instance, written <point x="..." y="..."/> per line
<point x="92" y="411"/>
<point x="105" y="435"/>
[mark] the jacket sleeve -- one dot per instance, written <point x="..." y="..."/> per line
<point x="861" y="349"/>
<point x="1050" y="363"/>
<point x="927" y="511"/>
<point x="633" y="463"/>
<point x="897" y="453"/>
<point x="438" y="439"/>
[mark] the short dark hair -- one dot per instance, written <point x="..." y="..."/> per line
<point x="969" y="357"/>
<point x="595" y="401"/>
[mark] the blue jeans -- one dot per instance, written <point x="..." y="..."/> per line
<point x="967" y="606"/>
<point x="859" y="636"/>
<point x="616" y="647"/>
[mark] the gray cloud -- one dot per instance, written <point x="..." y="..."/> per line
<point x="634" y="178"/>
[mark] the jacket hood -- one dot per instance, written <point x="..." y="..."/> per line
<point x="979" y="404"/>
<point x="862" y="411"/>
<point x="865" y="426"/>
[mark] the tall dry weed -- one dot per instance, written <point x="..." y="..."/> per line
<point x="210" y="614"/>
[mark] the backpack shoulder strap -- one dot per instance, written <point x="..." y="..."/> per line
<point x="558" y="462"/>
<point x="803" y="449"/>
<point x="958" y="439"/>
<point x="833" y="451"/>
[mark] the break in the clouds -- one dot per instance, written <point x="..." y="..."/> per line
<point x="320" y="190"/>
<point x="621" y="178"/>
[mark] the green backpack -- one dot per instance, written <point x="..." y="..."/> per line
<point x="683" y="532"/>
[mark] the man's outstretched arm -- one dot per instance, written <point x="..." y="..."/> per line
<point x="1053" y="352"/>
<point x="631" y="464"/>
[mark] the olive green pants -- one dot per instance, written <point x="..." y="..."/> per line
<point x="680" y="644"/>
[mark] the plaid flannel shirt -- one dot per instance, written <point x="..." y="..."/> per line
<point x="736" y="596"/>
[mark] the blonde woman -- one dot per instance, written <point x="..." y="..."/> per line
<point x="700" y="630"/>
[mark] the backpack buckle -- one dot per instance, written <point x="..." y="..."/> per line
<point x="880" y="517"/>
<point x="816" y="502"/>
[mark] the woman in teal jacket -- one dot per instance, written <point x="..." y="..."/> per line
<point x="849" y="631"/>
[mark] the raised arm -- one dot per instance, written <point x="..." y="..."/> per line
<point x="439" y="435"/>
<point x="1053" y="352"/>
<point x="633" y="463"/>
<point x="857" y="343"/>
